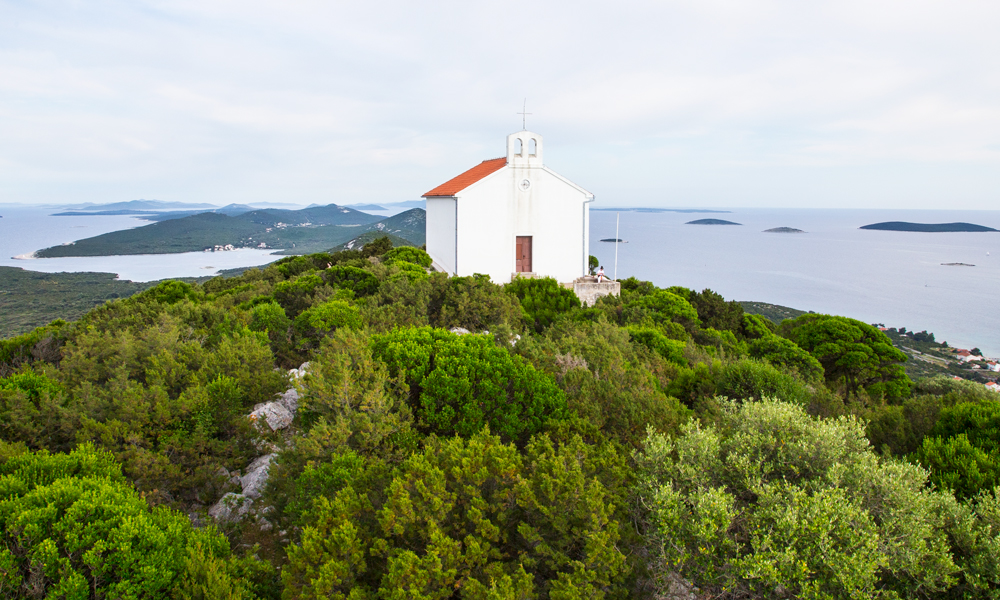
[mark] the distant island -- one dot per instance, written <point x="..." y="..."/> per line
<point x="141" y="205"/>
<point x="292" y="231"/>
<point x="102" y="213"/>
<point x="711" y="222"/>
<point x="928" y="227"/>
<point x="661" y="210"/>
<point x="614" y="240"/>
<point x="230" y="210"/>
<point x="783" y="230"/>
<point x="956" y="265"/>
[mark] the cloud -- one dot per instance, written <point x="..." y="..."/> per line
<point x="730" y="102"/>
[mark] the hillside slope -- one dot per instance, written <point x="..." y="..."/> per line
<point x="295" y="231"/>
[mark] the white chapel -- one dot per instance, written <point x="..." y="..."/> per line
<point x="511" y="216"/>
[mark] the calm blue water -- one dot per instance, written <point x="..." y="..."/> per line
<point x="887" y="277"/>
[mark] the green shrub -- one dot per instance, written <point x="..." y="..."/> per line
<point x="222" y="403"/>
<point x="269" y="317"/>
<point x="467" y="518"/>
<point x="700" y="381"/>
<point x="293" y="266"/>
<point x="296" y="295"/>
<point x="749" y="379"/>
<point x="399" y="302"/>
<point x="672" y="350"/>
<point x="979" y="420"/>
<point x="376" y="247"/>
<point x="170" y="292"/>
<point x="962" y="450"/>
<point x="610" y="383"/>
<point x="409" y="254"/>
<point x="953" y="391"/>
<point x="542" y="300"/>
<point x="32" y="409"/>
<point x="43" y="343"/>
<point x="33" y="384"/>
<point x="775" y="503"/>
<point x="141" y="398"/>
<point x="722" y="343"/>
<point x="474" y="303"/>
<point x="900" y="430"/>
<point x="411" y="271"/>
<point x="958" y="465"/>
<point x="329" y="316"/>
<point x="715" y="312"/>
<point x="73" y="528"/>
<point x="634" y="286"/>
<point x="663" y="306"/>
<point x="459" y="384"/>
<point x="359" y="281"/>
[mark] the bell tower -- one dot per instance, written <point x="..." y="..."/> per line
<point x="524" y="149"/>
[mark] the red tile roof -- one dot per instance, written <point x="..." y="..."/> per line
<point x="456" y="185"/>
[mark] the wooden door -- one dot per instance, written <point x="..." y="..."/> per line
<point x="522" y="253"/>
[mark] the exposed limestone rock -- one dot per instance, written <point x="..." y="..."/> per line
<point x="231" y="507"/>
<point x="273" y="413"/>
<point x="459" y="330"/>
<point x="256" y="477"/>
<point x="678" y="588"/>
<point x="300" y="372"/>
<point x="290" y="400"/>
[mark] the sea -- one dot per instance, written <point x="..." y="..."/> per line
<point x="899" y="279"/>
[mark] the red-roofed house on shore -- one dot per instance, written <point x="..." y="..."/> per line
<point x="510" y="216"/>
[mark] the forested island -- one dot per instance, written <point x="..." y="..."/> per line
<point x="711" y="222"/>
<point x="927" y="227"/>
<point x="783" y="230"/>
<point x="355" y="425"/>
<point x="292" y="231"/>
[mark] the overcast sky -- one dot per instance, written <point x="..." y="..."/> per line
<point x="701" y="103"/>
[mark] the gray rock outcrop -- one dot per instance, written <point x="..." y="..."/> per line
<point x="231" y="507"/>
<point x="300" y="372"/>
<point x="273" y="413"/>
<point x="256" y="476"/>
<point x="290" y="400"/>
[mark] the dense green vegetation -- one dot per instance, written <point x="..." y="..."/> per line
<point x="295" y="231"/>
<point x="29" y="299"/>
<point x="455" y="438"/>
<point x="773" y="312"/>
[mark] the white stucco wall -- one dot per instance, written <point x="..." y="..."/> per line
<point x="441" y="232"/>
<point x="495" y="210"/>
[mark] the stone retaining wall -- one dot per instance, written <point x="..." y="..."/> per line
<point x="588" y="290"/>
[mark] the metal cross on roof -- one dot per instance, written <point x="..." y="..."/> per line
<point x="524" y="115"/>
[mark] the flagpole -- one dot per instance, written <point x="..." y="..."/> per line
<point x="618" y="218"/>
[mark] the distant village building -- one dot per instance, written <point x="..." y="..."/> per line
<point x="993" y="386"/>
<point x="512" y="216"/>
